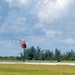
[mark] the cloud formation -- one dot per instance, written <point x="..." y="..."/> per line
<point x="40" y="22"/>
<point x="17" y="3"/>
<point x="52" y="33"/>
<point x="69" y="41"/>
<point x="53" y="10"/>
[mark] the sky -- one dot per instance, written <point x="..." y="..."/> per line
<point x="48" y="24"/>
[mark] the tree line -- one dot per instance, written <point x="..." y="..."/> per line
<point x="33" y="53"/>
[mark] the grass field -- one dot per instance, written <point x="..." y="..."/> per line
<point x="23" y="69"/>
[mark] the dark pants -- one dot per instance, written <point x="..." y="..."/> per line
<point x="23" y="46"/>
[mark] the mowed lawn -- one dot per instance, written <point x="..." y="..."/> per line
<point x="21" y="69"/>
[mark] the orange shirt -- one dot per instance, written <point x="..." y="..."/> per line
<point x="23" y="42"/>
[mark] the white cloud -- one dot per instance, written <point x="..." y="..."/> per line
<point x="74" y="14"/>
<point x="53" y="10"/>
<point x="23" y="2"/>
<point x="9" y="1"/>
<point x="2" y="30"/>
<point x="16" y="26"/>
<point x="52" y="33"/>
<point x="17" y="3"/>
<point x="69" y="41"/>
<point x="39" y="25"/>
<point x="19" y="25"/>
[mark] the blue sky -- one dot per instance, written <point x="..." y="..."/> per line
<point x="49" y="24"/>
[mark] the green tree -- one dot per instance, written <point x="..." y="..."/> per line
<point x="32" y="53"/>
<point x="23" y="55"/>
<point x="47" y="55"/>
<point x="38" y="52"/>
<point x="51" y="55"/>
<point x="57" y="55"/>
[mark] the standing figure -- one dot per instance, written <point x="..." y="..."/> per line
<point x="23" y="44"/>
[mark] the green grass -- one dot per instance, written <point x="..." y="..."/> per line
<point x="21" y="69"/>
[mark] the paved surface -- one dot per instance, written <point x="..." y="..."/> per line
<point x="38" y="63"/>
